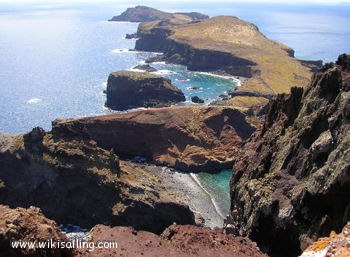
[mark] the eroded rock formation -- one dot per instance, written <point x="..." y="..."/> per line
<point x="187" y="138"/>
<point x="130" y="89"/>
<point x="74" y="181"/>
<point x="291" y="183"/>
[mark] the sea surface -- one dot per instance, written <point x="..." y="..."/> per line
<point x="55" y="58"/>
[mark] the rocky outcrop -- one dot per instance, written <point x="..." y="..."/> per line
<point x="145" y="67"/>
<point x="74" y="181"/>
<point x="227" y="45"/>
<point x="334" y="245"/>
<point x="197" y="100"/>
<point x="176" y="241"/>
<point x="190" y="139"/>
<point x="130" y="89"/>
<point x="29" y="225"/>
<point x="144" y="14"/>
<point x="291" y="183"/>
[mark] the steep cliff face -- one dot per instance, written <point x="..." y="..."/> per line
<point x="74" y="181"/>
<point x="129" y="89"/>
<point x="187" y="138"/>
<point x="291" y="183"/>
<point x="227" y="45"/>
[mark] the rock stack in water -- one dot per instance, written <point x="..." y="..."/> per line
<point x="129" y="89"/>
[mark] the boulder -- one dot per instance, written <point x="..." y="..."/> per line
<point x="197" y="100"/>
<point x="130" y="89"/>
<point x="291" y="182"/>
<point x="188" y="138"/>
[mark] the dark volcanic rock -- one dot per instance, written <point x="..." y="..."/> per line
<point x="176" y="241"/>
<point x="74" y="181"/>
<point x="144" y="14"/>
<point x="145" y="67"/>
<point x="131" y="36"/>
<point x="291" y="183"/>
<point x="29" y="225"/>
<point x="196" y="138"/>
<point x="129" y="89"/>
<point x="197" y="100"/>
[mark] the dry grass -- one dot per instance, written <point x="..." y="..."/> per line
<point x="278" y="71"/>
<point x="242" y="102"/>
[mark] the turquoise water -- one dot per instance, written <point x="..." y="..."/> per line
<point x="217" y="185"/>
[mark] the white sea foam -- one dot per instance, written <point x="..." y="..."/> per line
<point x="220" y="76"/>
<point x="211" y="198"/>
<point x="104" y="85"/>
<point x="158" y="63"/>
<point x="34" y="101"/>
<point x="183" y="80"/>
<point x="164" y="72"/>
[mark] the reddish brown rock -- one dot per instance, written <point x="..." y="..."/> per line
<point x="186" y="138"/>
<point x="291" y="184"/>
<point x="176" y="241"/>
<point x="28" y="225"/>
<point x="336" y="245"/>
<point x="74" y="181"/>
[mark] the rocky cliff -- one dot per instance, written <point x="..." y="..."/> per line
<point x="227" y="45"/>
<point x="29" y="225"/>
<point x="130" y="89"/>
<point x="74" y="181"/>
<point x="291" y="183"/>
<point x="187" y="138"/>
<point x="144" y="14"/>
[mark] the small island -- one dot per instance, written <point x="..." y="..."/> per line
<point x="131" y="89"/>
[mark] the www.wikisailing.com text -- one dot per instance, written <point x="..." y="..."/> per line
<point x="61" y="244"/>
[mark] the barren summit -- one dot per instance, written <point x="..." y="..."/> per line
<point x="144" y="13"/>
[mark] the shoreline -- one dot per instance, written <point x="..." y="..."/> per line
<point x="189" y="190"/>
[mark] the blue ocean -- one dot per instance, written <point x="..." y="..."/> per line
<point x="55" y="58"/>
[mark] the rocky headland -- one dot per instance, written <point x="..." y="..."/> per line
<point x="131" y="89"/>
<point x="144" y="14"/>
<point x="231" y="46"/>
<point x="190" y="139"/>
<point x="291" y="183"/>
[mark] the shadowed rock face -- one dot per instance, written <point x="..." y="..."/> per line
<point x="291" y="183"/>
<point x="176" y="241"/>
<point x="144" y="13"/>
<point x="28" y="225"/>
<point x="128" y="89"/>
<point x="186" y="138"/>
<point x="74" y="181"/>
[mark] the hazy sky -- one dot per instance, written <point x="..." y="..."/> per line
<point x="138" y="2"/>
